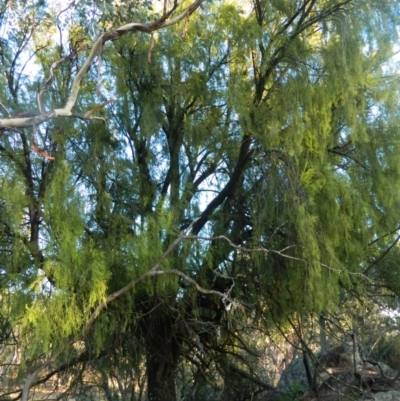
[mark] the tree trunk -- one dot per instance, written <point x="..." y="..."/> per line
<point x="163" y="348"/>
<point x="160" y="378"/>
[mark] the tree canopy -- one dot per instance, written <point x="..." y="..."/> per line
<point x="175" y="180"/>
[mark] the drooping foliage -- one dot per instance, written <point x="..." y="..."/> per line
<point x="247" y="173"/>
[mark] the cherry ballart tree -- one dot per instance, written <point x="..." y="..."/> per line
<point x="171" y="189"/>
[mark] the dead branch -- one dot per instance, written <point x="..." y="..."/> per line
<point x="41" y="151"/>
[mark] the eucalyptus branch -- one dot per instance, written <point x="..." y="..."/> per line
<point x="66" y="110"/>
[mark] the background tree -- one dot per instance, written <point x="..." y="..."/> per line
<point x="245" y="176"/>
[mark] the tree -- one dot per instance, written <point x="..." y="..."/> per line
<point x="241" y="175"/>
